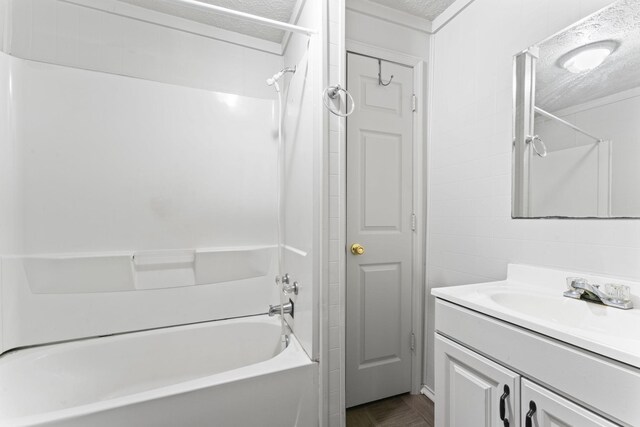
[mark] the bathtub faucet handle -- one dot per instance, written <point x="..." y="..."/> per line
<point x="282" y="280"/>
<point x="291" y="289"/>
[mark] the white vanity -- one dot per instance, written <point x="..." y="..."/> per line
<point x="519" y="353"/>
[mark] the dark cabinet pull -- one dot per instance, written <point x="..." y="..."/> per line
<point x="532" y="410"/>
<point x="503" y="405"/>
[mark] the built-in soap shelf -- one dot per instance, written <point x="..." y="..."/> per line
<point x="128" y="271"/>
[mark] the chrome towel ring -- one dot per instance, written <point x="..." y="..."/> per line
<point x="535" y="140"/>
<point x="332" y="93"/>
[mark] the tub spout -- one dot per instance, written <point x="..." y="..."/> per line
<point x="287" y="308"/>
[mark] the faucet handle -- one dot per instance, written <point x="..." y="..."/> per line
<point x="572" y="281"/>
<point x="617" y="292"/>
<point x="291" y="289"/>
<point x="572" y="291"/>
<point x="282" y="280"/>
<point x="580" y="282"/>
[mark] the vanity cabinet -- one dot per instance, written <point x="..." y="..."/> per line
<point x="578" y="362"/>
<point x="477" y="355"/>
<point x="473" y="391"/>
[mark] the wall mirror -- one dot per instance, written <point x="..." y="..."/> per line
<point x="576" y="150"/>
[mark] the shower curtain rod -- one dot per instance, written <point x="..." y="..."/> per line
<point x="566" y="123"/>
<point x="245" y="16"/>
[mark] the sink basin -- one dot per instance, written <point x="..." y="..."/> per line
<point x="569" y="312"/>
<point x="531" y="297"/>
<point x="553" y="308"/>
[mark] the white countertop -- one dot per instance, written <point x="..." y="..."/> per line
<point x="531" y="298"/>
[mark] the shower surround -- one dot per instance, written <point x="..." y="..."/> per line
<point x="138" y="194"/>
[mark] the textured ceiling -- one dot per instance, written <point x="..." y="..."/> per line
<point x="427" y="9"/>
<point x="280" y="10"/>
<point x="557" y="88"/>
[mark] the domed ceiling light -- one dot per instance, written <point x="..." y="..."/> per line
<point x="587" y="57"/>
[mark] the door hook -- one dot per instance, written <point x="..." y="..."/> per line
<point x="380" y="82"/>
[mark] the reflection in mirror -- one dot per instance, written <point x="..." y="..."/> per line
<point x="577" y="119"/>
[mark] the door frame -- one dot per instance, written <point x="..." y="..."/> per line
<point x="419" y="198"/>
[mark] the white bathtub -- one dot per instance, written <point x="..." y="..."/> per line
<point x="224" y="373"/>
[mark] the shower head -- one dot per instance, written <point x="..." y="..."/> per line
<point x="277" y="76"/>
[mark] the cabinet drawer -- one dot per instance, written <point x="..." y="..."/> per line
<point x="472" y="391"/>
<point x="543" y="408"/>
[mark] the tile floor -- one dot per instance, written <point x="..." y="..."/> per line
<point x="398" y="411"/>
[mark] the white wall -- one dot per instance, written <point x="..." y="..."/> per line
<point x="68" y="34"/>
<point x="615" y="119"/>
<point x="300" y="192"/>
<point x="386" y="35"/>
<point x="471" y="236"/>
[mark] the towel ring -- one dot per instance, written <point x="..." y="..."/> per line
<point x="532" y="140"/>
<point x="333" y="92"/>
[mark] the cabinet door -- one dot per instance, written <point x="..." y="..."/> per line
<point x="543" y="408"/>
<point x="470" y="389"/>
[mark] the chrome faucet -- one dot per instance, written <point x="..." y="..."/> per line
<point x="613" y="296"/>
<point x="287" y="308"/>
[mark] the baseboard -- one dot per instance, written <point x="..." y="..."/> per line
<point x="429" y="393"/>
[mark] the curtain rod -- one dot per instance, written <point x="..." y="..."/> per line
<point x="245" y="16"/>
<point x="566" y="123"/>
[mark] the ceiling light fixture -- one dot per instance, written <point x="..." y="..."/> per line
<point x="587" y="57"/>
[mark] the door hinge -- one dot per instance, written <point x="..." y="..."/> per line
<point x="413" y="222"/>
<point x="413" y="341"/>
<point x="414" y="102"/>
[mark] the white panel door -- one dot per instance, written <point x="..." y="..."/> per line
<point x="543" y="408"/>
<point x="379" y="209"/>
<point x="471" y="390"/>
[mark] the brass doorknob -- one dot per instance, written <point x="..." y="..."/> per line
<point x="357" y="249"/>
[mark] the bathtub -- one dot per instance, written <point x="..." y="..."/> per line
<point x="224" y="373"/>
